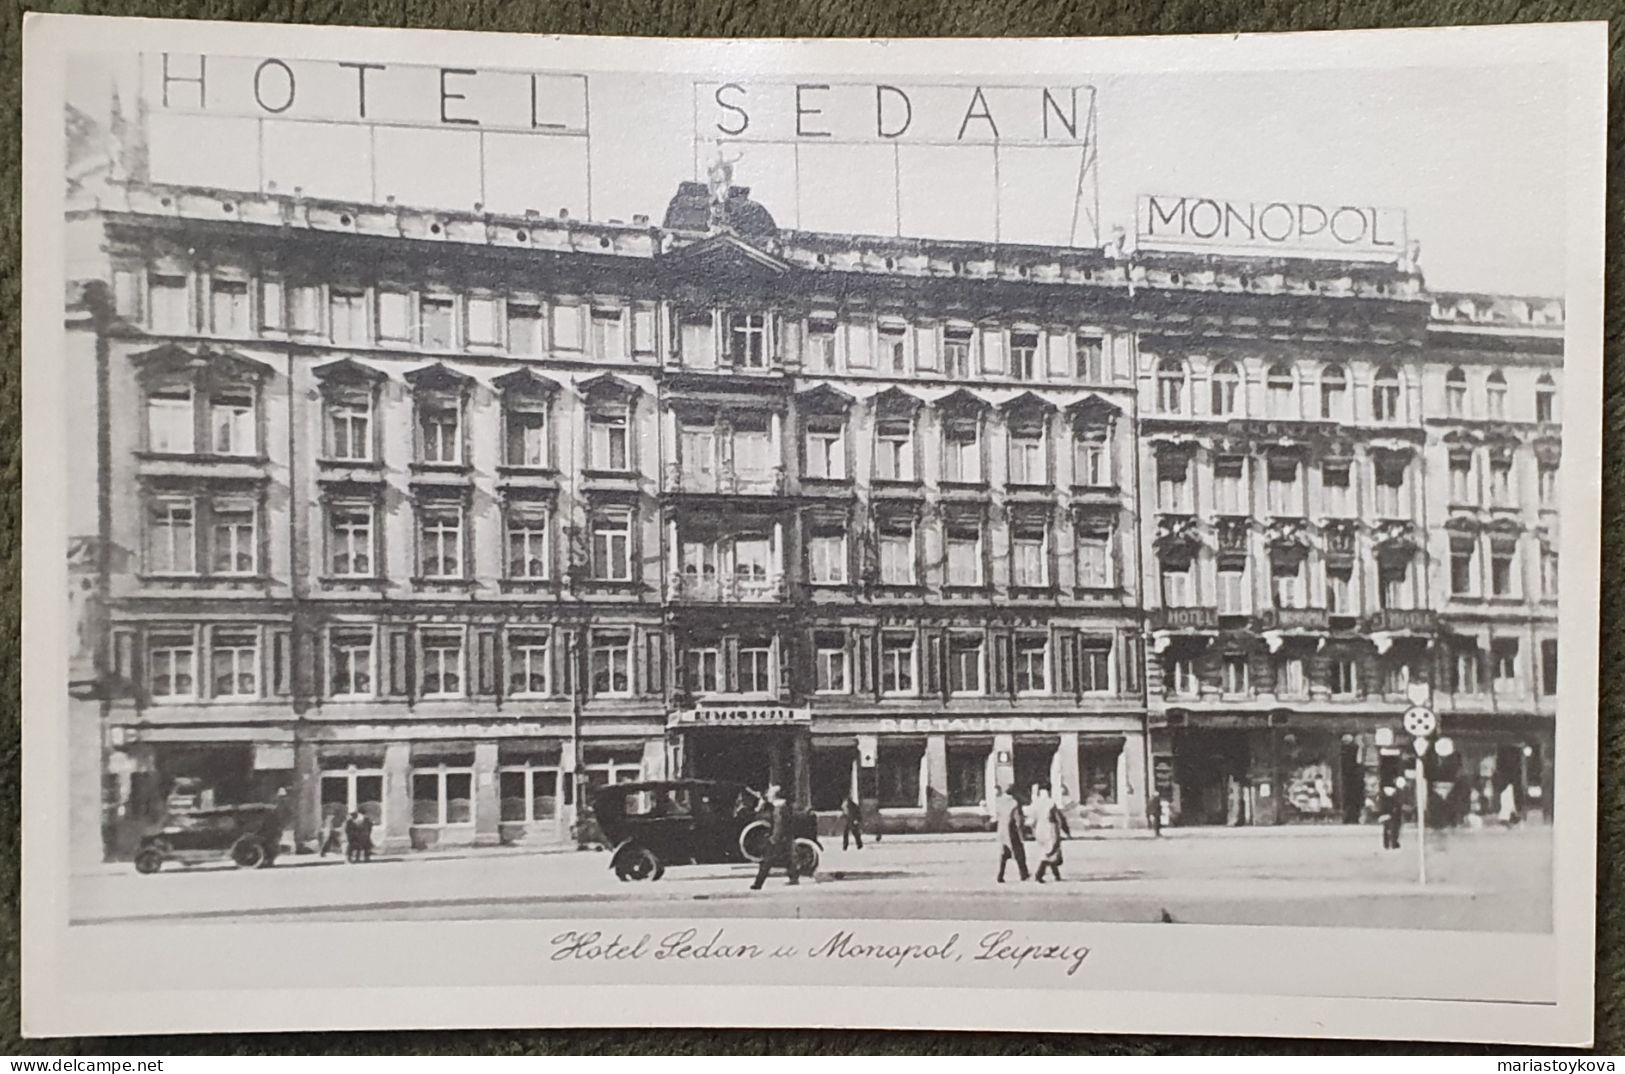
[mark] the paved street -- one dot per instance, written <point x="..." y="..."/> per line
<point x="1485" y="880"/>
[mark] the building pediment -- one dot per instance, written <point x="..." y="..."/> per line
<point x="609" y="386"/>
<point x="725" y="256"/>
<point x="895" y="402"/>
<point x="1093" y="411"/>
<point x="525" y="382"/>
<point x="824" y="399"/>
<point x="171" y="359"/>
<point x="1027" y="403"/>
<point x="438" y="377"/>
<point x="347" y="371"/>
<point x="962" y="402"/>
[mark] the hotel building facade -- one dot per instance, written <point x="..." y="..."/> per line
<point x="453" y="518"/>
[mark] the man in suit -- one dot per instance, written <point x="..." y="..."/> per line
<point x="1391" y="814"/>
<point x="1011" y="825"/>
<point x="781" y="846"/>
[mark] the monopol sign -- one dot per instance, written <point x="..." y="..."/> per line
<point x="1363" y="232"/>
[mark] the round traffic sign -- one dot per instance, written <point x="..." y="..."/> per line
<point x="1421" y="744"/>
<point x="1445" y="747"/>
<point x="1420" y="721"/>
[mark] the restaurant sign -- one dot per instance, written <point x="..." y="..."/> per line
<point x="1296" y="228"/>
<point x="742" y="716"/>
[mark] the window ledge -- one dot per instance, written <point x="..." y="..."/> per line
<point x="202" y="457"/>
<point x="198" y="581"/>
<point x="349" y="464"/>
<point x="443" y="584"/>
<point x="352" y="581"/>
<point x="527" y="585"/>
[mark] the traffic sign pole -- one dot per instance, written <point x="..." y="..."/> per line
<point x="1421" y="818"/>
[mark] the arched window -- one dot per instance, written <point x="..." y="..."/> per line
<point x="1455" y="393"/>
<point x="1385" y="395"/>
<point x="1171" y="386"/>
<point x="1226" y="390"/>
<point x="1282" y="388"/>
<point x="1545" y="398"/>
<point x="1334" y="385"/>
<point x="1495" y="395"/>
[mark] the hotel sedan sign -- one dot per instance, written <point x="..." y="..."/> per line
<point x="742" y="716"/>
<point x="1292" y="228"/>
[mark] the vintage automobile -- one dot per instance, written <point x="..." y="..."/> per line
<point x="248" y="835"/>
<point x="690" y="822"/>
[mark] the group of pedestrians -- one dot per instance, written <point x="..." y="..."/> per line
<point x="1049" y="827"/>
<point x="354" y="831"/>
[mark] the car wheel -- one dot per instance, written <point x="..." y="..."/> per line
<point x="248" y="854"/>
<point x="754" y="839"/>
<point x="637" y="863"/>
<point x="806" y="852"/>
<point x="148" y="862"/>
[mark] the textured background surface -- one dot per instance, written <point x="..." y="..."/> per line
<point x="815" y="18"/>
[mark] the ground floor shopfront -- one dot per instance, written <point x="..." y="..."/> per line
<point x="1280" y="767"/>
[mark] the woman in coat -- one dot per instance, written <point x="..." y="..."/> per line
<point x="1049" y="825"/>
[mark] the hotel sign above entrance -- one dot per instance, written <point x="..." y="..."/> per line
<point x="742" y="716"/>
<point x="1292" y="228"/>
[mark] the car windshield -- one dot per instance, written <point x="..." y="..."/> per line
<point x="659" y="802"/>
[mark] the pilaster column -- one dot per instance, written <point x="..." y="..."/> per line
<point x="397" y="834"/>
<point x="936" y="779"/>
<point x="1132" y="787"/>
<point x="487" y="797"/>
<point x="307" y="794"/>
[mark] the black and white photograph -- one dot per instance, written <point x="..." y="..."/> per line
<point x="1079" y="534"/>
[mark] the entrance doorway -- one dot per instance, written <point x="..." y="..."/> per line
<point x="1033" y="763"/>
<point x="1351" y="783"/>
<point x="754" y="758"/>
<point x="1212" y="767"/>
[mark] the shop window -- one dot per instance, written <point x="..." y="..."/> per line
<point x="1097" y="771"/>
<point x="440" y="542"/>
<point x="442" y="654"/>
<point x="529" y="792"/>
<point x="442" y="797"/>
<point x="833" y="772"/>
<point x="529" y="663"/>
<point x="607" y="767"/>
<point x="831" y="660"/>
<point x="525" y="328"/>
<point x="611" y="663"/>
<point x="351" y="663"/>
<point x="612" y="546"/>
<point x="965" y="656"/>
<point x="350" y="540"/>
<point x="528" y="554"/>
<point x="898" y="774"/>
<point x="347" y="316"/>
<point x="352" y="790"/>
<point x="967" y="777"/>
<point x="172" y="665"/>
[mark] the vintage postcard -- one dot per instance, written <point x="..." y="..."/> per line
<point x="1032" y="534"/>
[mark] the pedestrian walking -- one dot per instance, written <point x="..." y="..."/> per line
<point x="851" y="822"/>
<point x="332" y="831"/>
<point x="1390" y="814"/>
<point x="358" y="837"/>
<point x="781" y="844"/>
<point x="1049" y="825"/>
<point x="1010" y="822"/>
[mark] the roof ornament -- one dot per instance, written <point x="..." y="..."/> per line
<point x="719" y="176"/>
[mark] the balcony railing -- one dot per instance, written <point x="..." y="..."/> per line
<point x="725" y="481"/>
<point x="726" y="589"/>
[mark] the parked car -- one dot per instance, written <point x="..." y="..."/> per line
<point x="690" y="822"/>
<point x="249" y="835"/>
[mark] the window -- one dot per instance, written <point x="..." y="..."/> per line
<point x="993" y="363"/>
<point x="228" y="307"/>
<point x="830" y="663"/>
<point x="1495" y="395"/>
<point x="1504" y="665"/>
<point x="1177" y="591"/>
<point x="697" y="340"/>
<point x="1385" y="395"/>
<point x="608" y="334"/>
<point x="172" y="536"/>
<point x="1390" y="489"/>
<point x="1091" y="359"/>
<point x="1504" y="566"/>
<point x="894" y="450"/>
<point x="1334" y="384"/>
<point x="1173" y="484"/>
<point x="1546" y="484"/>
<point x="169" y="303"/>
<point x="898" y="774"/>
<point x="1029" y="463"/>
<point x="1232" y="590"/>
<point x="1094" y="665"/>
<point x="440" y="542"/>
<point x="1466" y="677"/>
<point x="609" y="440"/>
<point x="926" y="358"/>
<point x="820" y="353"/>
<point x="347" y="316"/>
<point x="233" y="543"/>
<point x="1340" y="592"/>
<point x="611" y="663"/>
<point x="394" y="315"/>
<point x="897" y="663"/>
<point x="956" y="353"/>
<point x="1095" y="568"/>
<point x="1171" y="386"/>
<point x="1463" y="568"/>
<point x="442" y="663"/>
<point x="697" y="446"/>
<point x="1236" y="680"/>
<point x="964" y="555"/>
<point x="752" y="452"/>
<point x="435" y="323"/>
<point x="1548" y="572"/>
<point x="826" y="452"/>
<point x="1394" y="583"/>
<point x="826" y="558"/>
<point x="965" y="663"/>
<point x="962" y="451"/>
<point x="1029" y="558"/>
<point x="350" y="662"/>
<point x="1548" y="667"/>
<point x="1289" y="677"/>
<point x="171" y="423"/>
<point x="1024" y="356"/>
<point x="527" y="542"/>
<point x="967" y="776"/>
<point x="530" y="793"/>
<point x="529" y="664"/>
<point x="349" y="425"/>
<point x="524" y="327"/>
<point x="751" y="554"/>
<point x="1226" y="385"/>
<point x="894" y="348"/>
<point x="231" y="421"/>
<point x="1335" y="489"/>
<point x="480" y="321"/>
<point x="1281" y="391"/>
<point x="1229" y="487"/>
<point x="1097" y="771"/>
<point x="270" y="305"/>
<point x="1180" y="676"/>
<point x="1501" y="482"/>
<point x="304" y="309"/>
<point x="612" y="546"/>
<point x="1286" y="578"/>
<point x="172" y="665"/>
<point x="860" y="343"/>
<point x="1461" y="478"/>
<point x="704" y="669"/>
<point x="234" y="661"/>
<point x="349" y="540"/>
<point x="1284" y="490"/>
<point x="525" y="443"/>
<point x="1545" y="399"/>
<point x="1092" y="460"/>
<point x="440" y="429"/>
<point x="1396" y="675"/>
<point x="1455" y="393"/>
<point x="747" y="340"/>
<point x="442" y="797"/>
<point x="1032" y="663"/>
